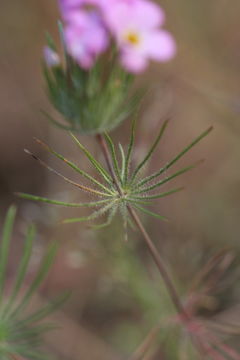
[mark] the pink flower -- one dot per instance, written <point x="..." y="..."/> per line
<point x="85" y="37"/>
<point x="135" y="25"/>
<point x="68" y="5"/>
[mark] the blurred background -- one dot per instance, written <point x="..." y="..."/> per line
<point x="117" y="293"/>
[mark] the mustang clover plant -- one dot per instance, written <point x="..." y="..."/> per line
<point x="20" y="331"/>
<point x="122" y="187"/>
<point x="105" y="44"/>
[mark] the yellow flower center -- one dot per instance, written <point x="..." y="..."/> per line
<point x="133" y="38"/>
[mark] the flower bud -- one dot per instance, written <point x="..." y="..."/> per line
<point x="51" y="57"/>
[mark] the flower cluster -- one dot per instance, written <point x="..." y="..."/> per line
<point x="133" y="26"/>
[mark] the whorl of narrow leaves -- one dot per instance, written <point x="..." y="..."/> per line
<point x="20" y="335"/>
<point x="124" y="187"/>
<point x="88" y="101"/>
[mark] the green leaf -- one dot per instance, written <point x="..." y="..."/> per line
<point x="22" y="269"/>
<point x="79" y="186"/>
<point x="50" y="41"/>
<point x="21" y="338"/>
<point x="62" y="38"/>
<point x="176" y="158"/>
<point x="48" y="77"/>
<point x="73" y="166"/>
<point x="129" y="152"/>
<point x="123" y="167"/>
<point x="151" y="213"/>
<point x="110" y="217"/>
<point x="93" y="161"/>
<point x="138" y="200"/>
<point x="61" y="203"/>
<point x="93" y="216"/>
<point x="151" y="150"/>
<point x="158" y="196"/>
<point x="126" y="107"/>
<point x="4" y="250"/>
<point x="46" y="310"/>
<point x="39" y="278"/>
<point x="168" y="178"/>
<point x="27" y="334"/>
<point x="114" y="157"/>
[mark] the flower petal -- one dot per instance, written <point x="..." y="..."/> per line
<point x="161" y="46"/>
<point x="133" y="62"/>
<point x="133" y="14"/>
<point x="148" y="14"/>
<point x="85" y="38"/>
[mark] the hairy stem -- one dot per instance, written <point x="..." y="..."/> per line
<point x="152" y="249"/>
<point x="160" y="264"/>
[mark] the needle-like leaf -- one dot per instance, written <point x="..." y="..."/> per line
<point x="73" y="166"/>
<point x="151" y="213"/>
<point x="93" y="161"/>
<point x="80" y="186"/>
<point x="22" y="269"/>
<point x="63" y="43"/>
<point x="123" y="167"/>
<point x="158" y="196"/>
<point x="129" y="152"/>
<point x="61" y="203"/>
<point x="168" y="178"/>
<point x="40" y="276"/>
<point x="46" y="310"/>
<point x="176" y="158"/>
<point x="20" y="333"/>
<point x="110" y="217"/>
<point x="93" y="216"/>
<point x="151" y="150"/>
<point x="114" y="157"/>
<point x="4" y="250"/>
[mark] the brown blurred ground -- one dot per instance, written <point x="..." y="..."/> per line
<point x="201" y="87"/>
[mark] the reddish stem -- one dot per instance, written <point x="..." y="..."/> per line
<point x="151" y="247"/>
